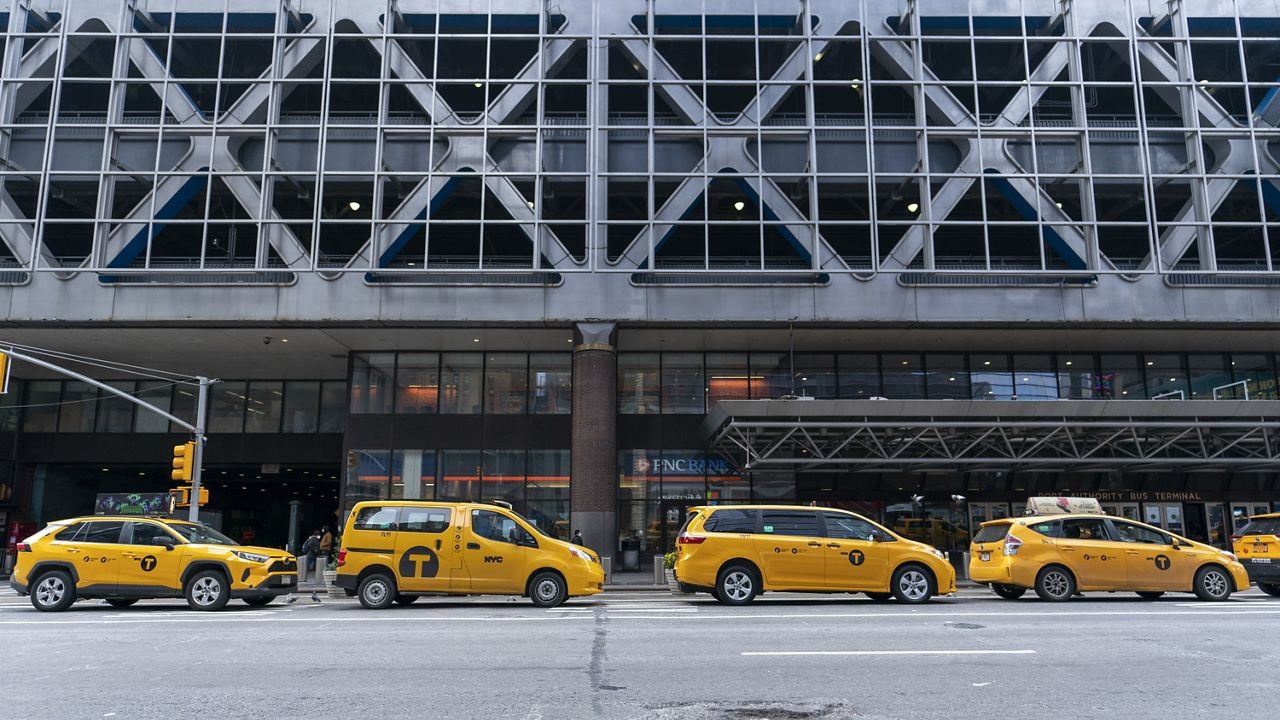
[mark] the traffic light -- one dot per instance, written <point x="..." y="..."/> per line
<point x="181" y="497"/>
<point x="184" y="461"/>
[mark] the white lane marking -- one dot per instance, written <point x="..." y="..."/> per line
<point x="777" y="653"/>
<point x="652" y="610"/>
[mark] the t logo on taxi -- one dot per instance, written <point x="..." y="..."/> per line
<point x="1162" y="562"/>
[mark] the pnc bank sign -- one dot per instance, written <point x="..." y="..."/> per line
<point x="681" y="465"/>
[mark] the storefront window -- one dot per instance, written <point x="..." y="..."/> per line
<point x="1166" y="378"/>
<point x="684" y="474"/>
<point x="115" y="414"/>
<point x="417" y="383"/>
<point x="991" y="377"/>
<point x="816" y="375"/>
<point x="460" y="383"/>
<point x="551" y="516"/>
<point x="226" y="407"/>
<point x="504" y="476"/>
<point x="413" y="475"/>
<point x="371" y="378"/>
<point x="946" y="377"/>
<point x="903" y="377"/>
<point x="332" y="397"/>
<point x="638" y="386"/>
<point x="1120" y="378"/>
<point x="460" y="475"/>
<point x="639" y="475"/>
<point x="551" y="379"/>
<point x="548" y="475"/>
<point x="1077" y="377"/>
<point x="1034" y="378"/>
<point x="76" y="413"/>
<point x="683" y="384"/>
<point x="506" y="388"/>
<point x="727" y="377"/>
<point x="301" y="406"/>
<point x="41" y="413"/>
<point x="265" y="400"/>
<point x="1210" y="377"/>
<point x="368" y="473"/>
<point x="773" y="486"/>
<point x="157" y="393"/>
<point x="859" y="376"/>
<point x="1257" y="372"/>
<point x="770" y="376"/>
<point x="725" y="484"/>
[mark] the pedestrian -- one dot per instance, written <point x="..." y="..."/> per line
<point x="326" y="544"/>
<point x="307" y="556"/>
<point x="577" y="538"/>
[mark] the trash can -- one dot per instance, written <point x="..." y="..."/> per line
<point x="630" y="554"/>
<point x="659" y="571"/>
<point x="960" y="561"/>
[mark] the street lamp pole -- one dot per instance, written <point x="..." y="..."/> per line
<point x="197" y="435"/>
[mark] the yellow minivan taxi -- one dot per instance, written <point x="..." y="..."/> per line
<point x="399" y="550"/>
<point x="1061" y="555"/>
<point x="1258" y="547"/>
<point x="737" y="552"/>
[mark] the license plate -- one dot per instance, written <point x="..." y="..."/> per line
<point x="286" y="580"/>
<point x="984" y="557"/>
<point x="1259" y="548"/>
<point x="1260" y="561"/>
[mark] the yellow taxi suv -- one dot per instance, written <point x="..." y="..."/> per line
<point x="126" y="559"/>
<point x="737" y="552"/>
<point x="1060" y="556"/>
<point x="398" y="551"/>
<point x="1258" y="547"/>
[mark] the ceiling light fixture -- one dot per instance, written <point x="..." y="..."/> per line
<point x="739" y="206"/>
<point x="913" y="207"/>
<point x="818" y="57"/>
<point x="354" y="205"/>
<point x="479" y="84"/>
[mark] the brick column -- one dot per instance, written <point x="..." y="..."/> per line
<point x="593" y="488"/>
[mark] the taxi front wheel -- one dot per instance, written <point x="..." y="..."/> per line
<point x="912" y="584"/>
<point x="547" y="590"/>
<point x="208" y="590"/>
<point x="1213" y="583"/>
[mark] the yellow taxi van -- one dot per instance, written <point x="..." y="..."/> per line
<point x="1258" y="547"/>
<point x="395" y="551"/>
<point x="737" y="552"/>
<point x="128" y="558"/>
<point x="1064" y="553"/>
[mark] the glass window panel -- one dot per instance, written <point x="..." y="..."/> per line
<point x="76" y="412"/>
<point x="991" y="377"/>
<point x="1210" y="373"/>
<point x="816" y="375"/>
<point x="417" y="383"/>
<point x="1034" y="378"/>
<point x="859" y="376"/>
<point x="226" y="407"/>
<point x="184" y="406"/>
<point x="459" y="475"/>
<point x="1257" y="372"/>
<point x="506" y="388"/>
<point x="548" y="475"/>
<point x="41" y="413"/>
<point x="115" y="414"/>
<point x="332" y="406"/>
<point x="550" y="516"/>
<point x="368" y="472"/>
<point x="157" y="393"/>
<point x="9" y="410"/>
<point x="1120" y="377"/>
<point x="264" y="402"/>
<point x="301" y="406"/>
<point x="460" y="375"/>
<point x="371" y="377"/>
<point x="770" y="376"/>
<point x="413" y="474"/>
<point x="635" y="519"/>
<point x="1166" y="378"/>
<point x="683" y="475"/>
<point x="551" y="382"/>
<point x="639" y="476"/>
<point x="504" y="476"/>
<point x="683" y="384"/>
<point x="639" y="390"/>
<point x="727" y="377"/>
<point x="1078" y="378"/>
<point x="903" y="376"/>
<point x="946" y="377"/>
<point x="724" y="484"/>
<point x="770" y="486"/>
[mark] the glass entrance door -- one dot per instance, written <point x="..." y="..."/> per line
<point x="1129" y="511"/>
<point x="671" y="517"/>
<point x="1164" y="515"/>
<point x="982" y="512"/>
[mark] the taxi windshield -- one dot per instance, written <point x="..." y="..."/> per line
<point x="200" y="534"/>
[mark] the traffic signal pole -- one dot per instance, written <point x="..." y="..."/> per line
<point x="197" y="435"/>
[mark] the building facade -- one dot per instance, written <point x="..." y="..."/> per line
<point x="582" y="256"/>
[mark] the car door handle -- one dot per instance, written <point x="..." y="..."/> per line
<point x="1066" y="548"/>
<point x="834" y="545"/>
<point x="815" y="544"/>
<point x="473" y="546"/>
<point x="437" y="544"/>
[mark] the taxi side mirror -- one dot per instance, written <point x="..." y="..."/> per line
<point x="166" y="542"/>
<point x="1173" y="543"/>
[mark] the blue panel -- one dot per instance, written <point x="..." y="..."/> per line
<point x="1026" y="210"/>
<point x="416" y="226"/>
<point x="168" y="211"/>
<point x="1271" y="198"/>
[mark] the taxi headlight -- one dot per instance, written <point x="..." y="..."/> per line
<point x="580" y="554"/>
<point x="941" y="555"/>
<point x="1230" y="556"/>
<point x="251" y="557"/>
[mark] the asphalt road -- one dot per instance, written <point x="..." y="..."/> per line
<point x="647" y="655"/>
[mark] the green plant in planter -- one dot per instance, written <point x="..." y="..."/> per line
<point x="669" y="561"/>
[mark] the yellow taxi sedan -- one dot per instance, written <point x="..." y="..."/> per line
<point x="1060" y="556"/>
<point x="1258" y="547"/>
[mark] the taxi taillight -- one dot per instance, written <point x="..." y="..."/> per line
<point x="685" y="539"/>
<point x="24" y="547"/>
<point x="1011" y="544"/>
<point x="1236" y="538"/>
<point x="342" y="557"/>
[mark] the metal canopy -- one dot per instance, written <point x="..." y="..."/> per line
<point x="966" y="435"/>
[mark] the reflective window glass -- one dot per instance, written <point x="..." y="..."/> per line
<point x="332" y="406"/>
<point x="157" y="393"/>
<point x="1210" y="377"/>
<point x="417" y="383"/>
<point x="115" y="414"/>
<point x="803" y="523"/>
<point x="946" y="377"/>
<point x="727" y="377"/>
<point x="551" y="383"/>
<point x="859" y="376"/>
<point x="1120" y="377"/>
<point x="301" y="406"/>
<point x="1258" y="374"/>
<point x="506" y="378"/>
<point x="371" y="378"/>
<point x="460" y="383"/>
<point x="413" y="474"/>
<point x="75" y="415"/>
<point x="903" y="376"/>
<point x="991" y="377"/>
<point x="1077" y="377"/>
<point x="226" y="407"/>
<point x="263" y="406"/>
<point x="1166" y="377"/>
<point x="770" y="376"/>
<point x="1034" y="378"/>
<point x="816" y="375"/>
<point x="639" y="391"/>
<point x="683" y="384"/>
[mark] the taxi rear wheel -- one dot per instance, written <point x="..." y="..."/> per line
<point x="377" y="591"/>
<point x="259" y="601"/>
<point x="121" y="602"/>
<point x="1151" y="595"/>
<point x="880" y="597"/>
<point x="1055" y="584"/>
<point x="207" y="590"/>
<point x="547" y="590"/>
<point x="1008" y="592"/>
<point x="53" y="591"/>
<point x="737" y="585"/>
<point x="1213" y="583"/>
<point x="912" y="584"/>
<point x="1270" y="589"/>
<point x="406" y="599"/>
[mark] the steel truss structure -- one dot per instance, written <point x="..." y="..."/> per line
<point x="237" y="140"/>
<point x="1033" y="436"/>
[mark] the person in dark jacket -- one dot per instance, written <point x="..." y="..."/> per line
<point x="577" y="538"/>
